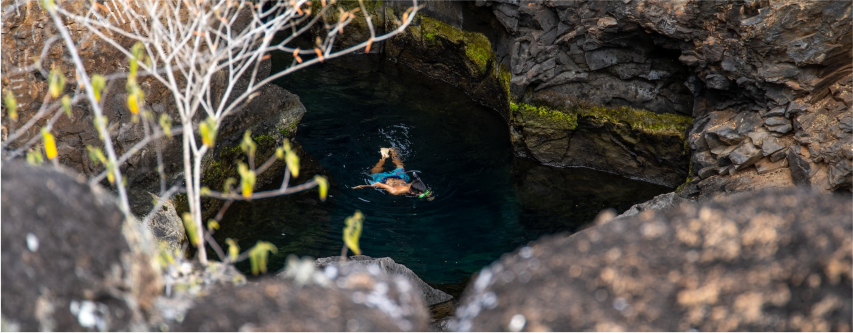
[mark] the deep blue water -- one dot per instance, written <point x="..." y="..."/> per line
<point x="464" y="155"/>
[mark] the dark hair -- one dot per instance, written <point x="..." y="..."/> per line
<point x="418" y="186"/>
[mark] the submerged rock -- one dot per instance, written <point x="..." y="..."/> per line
<point x="773" y="260"/>
<point x="431" y="296"/>
<point x="71" y="261"/>
<point x="351" y="298"/>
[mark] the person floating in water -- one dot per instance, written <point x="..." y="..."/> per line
<point x="396" y="182"/>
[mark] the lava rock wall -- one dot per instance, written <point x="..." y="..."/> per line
<point x="767" y="82"/>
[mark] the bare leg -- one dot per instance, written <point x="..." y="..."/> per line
<point x="396" y="158"/>
<point x="379" y="166"/>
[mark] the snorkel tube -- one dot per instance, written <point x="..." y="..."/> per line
<point x="423" y="194"/>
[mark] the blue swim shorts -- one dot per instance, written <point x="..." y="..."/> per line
<point x="382" y="176"/>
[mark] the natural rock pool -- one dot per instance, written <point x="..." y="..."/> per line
<point x="487" y="201"/>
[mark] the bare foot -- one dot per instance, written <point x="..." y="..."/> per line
<point x="384" y="152"/>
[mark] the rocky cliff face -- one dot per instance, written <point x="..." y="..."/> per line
<point x="767" y="83"/>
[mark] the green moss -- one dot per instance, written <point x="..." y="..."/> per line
<point x="477" y="47"/>
<point x="641" y="120"/>
<point x="543" y="116"/>
<point x="504" y="78"/>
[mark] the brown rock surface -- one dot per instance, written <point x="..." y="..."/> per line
<point x="774" y="260"/>
<point x="71" y="261"/>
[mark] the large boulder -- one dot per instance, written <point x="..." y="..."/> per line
<point x="71" y="261"/>
<point x="771" y="261"/>
<point x="345" y="299"/>
<point x="430" y="295"/>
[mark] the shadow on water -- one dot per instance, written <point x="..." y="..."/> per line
<point x="487" y="203"/>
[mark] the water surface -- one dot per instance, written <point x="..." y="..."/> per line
<point x="487" y="203"/>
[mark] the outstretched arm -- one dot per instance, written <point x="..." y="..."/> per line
<point x="379" y="166"/>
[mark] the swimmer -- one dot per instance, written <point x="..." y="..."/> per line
<point x="396" y="182"/>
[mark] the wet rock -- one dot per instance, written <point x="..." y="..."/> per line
<point x="346" y="299"/>
<point x="71" y="261"/>
<point x="430" y="295"/>
<point x="773" y="260"/>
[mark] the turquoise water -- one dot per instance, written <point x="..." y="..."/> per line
<point x="464" y="155"/>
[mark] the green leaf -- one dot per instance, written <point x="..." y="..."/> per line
<point x="56" y="82"/>
<point x="207" y="130"/>
<point x="352" y="231"/>
<point x="98" y="85"/>
<point x="101" y="121"/>
<point x="233" y="249"/>
<point x="66" y="105"/>
<point x="204" y="191"/>
<point x="258" y="256"/>
<point x="228" y="183"/>
<point x="34" y="157"/>
<point x="248" y="145"/>
<point x="11" y="105"/>
<point x="166" y="124"/>
<point x="212" y="225"/>
<point x="292" y="162"/>
<point x="323" y="186"/>
<point x="137" y="54"/>
<point x="48" y="5"/>
<point x="96" y="155"/>
<point x="247" y="180"/>
<point x="192" y="233"/>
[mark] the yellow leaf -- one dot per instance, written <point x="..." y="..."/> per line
<point x="11" y="105"/>
<point x="207" y="129"/>
<point x="49" y="144"/>
<point x="247" y="180"/>
<point x="98" y="85"/>
<point x="352" y="231"/>
<point x="56" y="82"/>
<point x="248" y="145"/>
<point x="204" y="191"/>
<point x="212" y="225"/>
<point x="323" y="185"/>
<point x="233" y="249"/>
<point x="132" y="104"/>
<point x="279" y="153"/>
<point x="292" y="162"/>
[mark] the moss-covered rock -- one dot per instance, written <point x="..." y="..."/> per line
<point x="462" y="58"/>
<point x="634" y="143"/>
